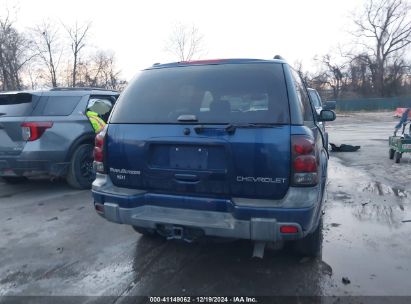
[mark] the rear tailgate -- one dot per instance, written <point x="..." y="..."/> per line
<point x="14" y="108"/>
<point x="218" y="164"/>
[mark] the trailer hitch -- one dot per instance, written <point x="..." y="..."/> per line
<point x="176" y="233"/>
<point x="186" y="234"/>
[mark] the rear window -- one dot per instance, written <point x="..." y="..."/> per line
<point x="16" y="105"/>
<point x="56" y="105"/>
<point x="230" y="93"/>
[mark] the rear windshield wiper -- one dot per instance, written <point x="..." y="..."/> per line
<point x="1" y="114"/>
<point x="231" y="128"/>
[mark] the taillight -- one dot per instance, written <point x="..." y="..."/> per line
<point x="302" y="145"/>
<point x="98" y="152"/>
<point x="99" y="208"/>
<point x="304" y="161"/>
<point x="288" y="229"/>
<point x="34" y="130"/>
<point x="98" y="148"/>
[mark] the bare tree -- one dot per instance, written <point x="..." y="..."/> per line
<point x="360" y="75"/>
<point x="13" y="54"/>
<point x="396" y="76"/>
<point x="46" y="44"/>
<point x="385" y="29"/>
<point x="35" y="75"/>
<point x="335" y="75"/>
<point x="185" y="42"/>
<point x="100" y="71"/>
<point x="298" y="66"/>
<point x="77" y="34"/>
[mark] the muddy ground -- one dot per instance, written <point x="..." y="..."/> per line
<point x="53" y="243"/>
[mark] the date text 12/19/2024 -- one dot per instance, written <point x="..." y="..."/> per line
<point x="203" y="300"/>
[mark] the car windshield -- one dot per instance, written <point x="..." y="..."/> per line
<point x="226" y="93"/>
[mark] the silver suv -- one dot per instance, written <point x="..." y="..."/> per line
<point x="48" y="133"/>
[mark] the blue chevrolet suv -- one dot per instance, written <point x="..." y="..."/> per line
<point x="225" y="148"/>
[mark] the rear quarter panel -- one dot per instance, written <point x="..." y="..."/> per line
<point x="55" y="143"/>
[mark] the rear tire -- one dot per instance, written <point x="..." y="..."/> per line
<point x="145" y="231"/>
<point x="81" y="174"/>
<point x="14" y="179"/>
<point x="311" y="245"/>
<point x="397" y="157"/>
<point x="391" y="153"/>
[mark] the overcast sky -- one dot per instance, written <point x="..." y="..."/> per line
<point x="137" y="31"/>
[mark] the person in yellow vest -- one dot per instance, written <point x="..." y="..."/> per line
<point x="97" y="123"/>
<point x="97" y="107"/>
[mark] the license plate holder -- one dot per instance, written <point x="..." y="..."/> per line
<point x="193" y="158"/>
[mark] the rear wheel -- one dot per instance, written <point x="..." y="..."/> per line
<point x="397" y="156"/>
<point x="311" y="245"/>
<point x="14" y="179"/>
<point x="145" y="231"/>
<point x="391" y="153"/>
<point x="81" y="173"/>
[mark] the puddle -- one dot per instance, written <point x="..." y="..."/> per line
<point x="341" y="196"/>
<point x="381" y="189"/>
<point x="367" y="236"/>
<point x="351" y="185"/>
<point x="400" y="192"/>
<point x="371" y="253"/>
<point x="368" y="201"/>
<point x="388" y="215"/>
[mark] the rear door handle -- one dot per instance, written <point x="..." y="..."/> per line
<point x="186" y="178"/>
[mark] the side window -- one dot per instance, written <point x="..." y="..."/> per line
<point x="102" y="105"/>
<point x="302" y="95"/>
<point x="56" y="105"/>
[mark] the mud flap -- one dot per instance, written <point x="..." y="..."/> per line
<point x="258" y="251"/>
<point x="111" y="212"/>
<point x="263" y="229"/>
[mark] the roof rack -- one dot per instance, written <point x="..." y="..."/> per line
<point x="278" y="57"/>
<point x="80" y="89"/>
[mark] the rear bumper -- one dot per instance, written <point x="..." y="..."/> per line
<point x="213" y="216"/>
<point x="22" y="167"/>
<point x="211" y="223"/>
